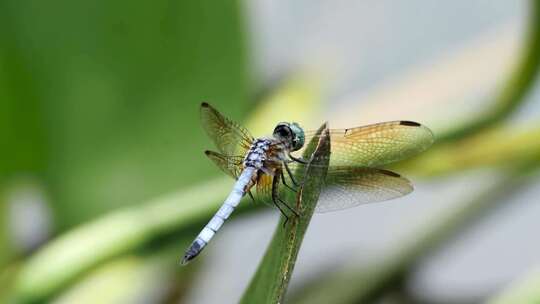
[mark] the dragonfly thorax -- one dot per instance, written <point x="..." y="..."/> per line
<point x="257" y="153"/>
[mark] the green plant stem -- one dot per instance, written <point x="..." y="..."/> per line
<point x="270" y="282"/>
<point x="493" y="148"/>
<point x="519" y="83"/>
<point x="132" y="276"/>
<point x="372" y="282"/>
<point x="525" y="290"/>
<point x="69" y="256"/>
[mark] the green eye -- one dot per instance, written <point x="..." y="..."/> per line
<point x="299" y="136"/>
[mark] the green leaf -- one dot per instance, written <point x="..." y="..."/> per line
<point x="270" y="282"/>
<point x="148" y="275"/>
<point x="524" y="290"/>
<point x="103" y="97"/>
<point x="497" y="147"/>
<point x="513" y="91"/>
<point x="80" y="250"/>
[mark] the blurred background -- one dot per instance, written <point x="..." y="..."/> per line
<point x="103" y="182"/>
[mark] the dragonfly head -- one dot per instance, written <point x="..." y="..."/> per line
<point x="290" y="133"/>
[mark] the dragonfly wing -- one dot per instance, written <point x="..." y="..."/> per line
<point x="229" y="137"/>
<point x="264" y="189"/>
<point x="231" y="165"/>
<point x="347" y="187"/>
<point x="378" y="144"/>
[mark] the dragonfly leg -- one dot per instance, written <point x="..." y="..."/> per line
<point x="276" y="198"/>
<point x="288" y="207"/>
<point x="251" y="196"/>
<point x="290" y="175"/>
<point x="298" y="160"/>
<point x="285" y="182"/>
<point x="275" y="184"/>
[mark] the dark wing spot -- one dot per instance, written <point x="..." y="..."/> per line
<point x="389" y="173"/>
<point x="409" y="123"/>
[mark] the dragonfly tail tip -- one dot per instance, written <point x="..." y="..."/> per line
<point x="192" y="252"/>
<point x="186" y="260"/>
<point x="188" y="257"/>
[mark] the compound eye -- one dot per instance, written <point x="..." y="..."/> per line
<point x="284" y="132"/>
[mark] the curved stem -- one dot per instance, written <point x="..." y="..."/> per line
<point x="520" y="82"/>
<point x="270" y="282"/>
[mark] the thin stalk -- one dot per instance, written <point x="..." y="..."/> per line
<point x="271" y="280"/>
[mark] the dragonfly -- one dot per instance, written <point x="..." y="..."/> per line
<point x="354" y="176"/>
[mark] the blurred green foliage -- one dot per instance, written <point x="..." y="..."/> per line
<point x="100" y="99"/>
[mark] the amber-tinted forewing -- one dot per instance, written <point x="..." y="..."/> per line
<point x="347" y="187"/>
<point x="229" y="137"/>
<point x="378" y="144"/>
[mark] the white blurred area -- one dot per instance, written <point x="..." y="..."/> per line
<point x="29" y="214"/>
<point x="436" y="62"/>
